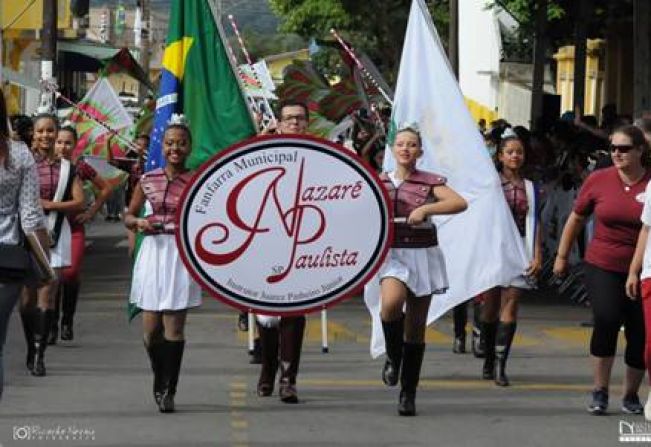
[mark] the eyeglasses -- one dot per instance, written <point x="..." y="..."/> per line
<point x="298" y="118"/>
<point x="622" y="148"/>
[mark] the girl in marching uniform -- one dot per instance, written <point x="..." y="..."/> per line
<point x="415" y="267"/>
<point x="161" y="286"/>
<point x="61" y="195"/>
<point x="499" y="312"/>
<point x="70" y="281"/>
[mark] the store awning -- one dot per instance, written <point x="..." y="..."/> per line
<point x="92" y="57"/>
<point x="87" y="48"/>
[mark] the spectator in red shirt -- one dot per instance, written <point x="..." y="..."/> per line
<point x="615" y="196"/>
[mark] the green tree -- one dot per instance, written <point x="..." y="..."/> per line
<point x="376" y="27"/>
<point x="261" y="44"/>
<point x="562" y="18"/>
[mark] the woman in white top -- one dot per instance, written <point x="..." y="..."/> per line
<point x="640" y="270"/>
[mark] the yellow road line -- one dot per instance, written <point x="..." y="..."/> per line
<point x="237" y="400"/>
<point x="565" y="336"/>
<point x="446" y="384"/>
<point x="239" y="425"/>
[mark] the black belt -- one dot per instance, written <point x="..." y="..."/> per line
<point x="413" y="236"/>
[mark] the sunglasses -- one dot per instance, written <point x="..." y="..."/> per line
<point x="622" y="148"/>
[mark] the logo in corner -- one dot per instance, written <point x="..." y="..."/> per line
<point x="634" y="431"/>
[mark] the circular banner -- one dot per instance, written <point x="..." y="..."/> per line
<point x="283" y="225"/>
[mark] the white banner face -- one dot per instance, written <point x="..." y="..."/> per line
<point x="283" y="225"/>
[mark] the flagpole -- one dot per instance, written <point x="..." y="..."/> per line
<point x="247" y="56"/>
<point x="361" y="66"/>
<point x="430" y="25"/>
<point x="216" y="18"/>
<point x="240" y="73"/>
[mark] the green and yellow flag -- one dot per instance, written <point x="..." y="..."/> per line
<point x="198" y="81"/>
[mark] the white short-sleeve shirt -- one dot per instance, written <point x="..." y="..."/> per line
<point x="646" y="220"/>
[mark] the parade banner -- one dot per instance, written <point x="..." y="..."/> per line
<point x="284" y="225"/>
<point x="101" y="104"/>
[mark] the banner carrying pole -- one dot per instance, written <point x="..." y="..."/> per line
<point x="361" y="66"/>
<point x="249" y="61"/>
<point x="324" y="331"/>
<point x="251" y="332"/>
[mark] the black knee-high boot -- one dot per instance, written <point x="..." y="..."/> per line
<point x="477" y="339"/>
<point x="460" y="318"/>
<point x="155" y="351"/>
<point x="489" y="331"/>
<point x="505" y="334"/>
<point x="292" y="330"/>
<point x="412" y="360"/>
<point x="269" y="339"/>
<point x="43" y="318"/>
<point x="68" y="308"/>
<point x="28" y="317"/>
<point x="393" y="341"/>
<point x="171" y="361"/>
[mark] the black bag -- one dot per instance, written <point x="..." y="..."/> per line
<point x="15" y="263"/>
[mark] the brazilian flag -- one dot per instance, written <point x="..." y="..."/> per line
<point x="197" y="80"/>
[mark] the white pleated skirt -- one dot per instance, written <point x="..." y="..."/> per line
<point x="160" y="280"/>
<point x="61" y="253"/>
<point x="422" y="270"/>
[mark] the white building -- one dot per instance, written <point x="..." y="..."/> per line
<point x="493" y="88"/>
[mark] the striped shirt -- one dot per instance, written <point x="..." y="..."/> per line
<point x="19" y="195"/>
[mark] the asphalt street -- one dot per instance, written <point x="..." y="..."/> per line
<point x="98" y="388"/>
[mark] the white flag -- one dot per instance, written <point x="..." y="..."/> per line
<point x="482" y="246"/>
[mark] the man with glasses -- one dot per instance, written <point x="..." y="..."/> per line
<point x="281" y="339"/>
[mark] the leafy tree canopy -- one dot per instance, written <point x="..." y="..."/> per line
<point x="562" y="17"/>
<point x="376" y="27"/>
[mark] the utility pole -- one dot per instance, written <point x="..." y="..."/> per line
<point x="453" y="38"/>
<point x="641" y="55"/>
<point x="580" y="52"/>
<point x="145" y="46"/>
<point x="48" y="48"/>
<point x="539" y="50"/>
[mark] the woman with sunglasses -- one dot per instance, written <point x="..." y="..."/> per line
<point x="615" y="196"/>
